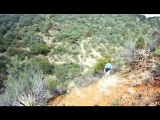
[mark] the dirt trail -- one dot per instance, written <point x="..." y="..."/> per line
<point x="102" y="92"/>
<point x="115" y="91"/>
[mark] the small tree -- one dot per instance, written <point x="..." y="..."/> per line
<point x="40" y="49"/>
<point x="140" y="43"/>
<point x="100" y="63"/>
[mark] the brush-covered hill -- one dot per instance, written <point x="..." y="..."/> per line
<point x="41" y="55"/>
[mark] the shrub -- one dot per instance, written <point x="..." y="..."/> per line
<point x="42" y="63"/>
<point x="67" y="71"/>
<point x="100" y="64"/>
<point x="51" y="84"/>
<point x="22" y="44"/>
<point x="71" y="36"/>
<point x="2" y="65"/>
<point x="116" y="102"/>
<point x="27" y="89"/>
<point x="25" y="100"/>
<point x="59" y="50"/>
<point x="2" y="49"/>
<point x="140" y="43"/>
<point x="3" y="72"/>
<point x="156" y="52"/>
<point x="11" y="51"/>
<point x="23" y="53"/>
<point x="151" y="46"/>
<point x="89" y="33"/>
<point x="40" y="49"/>
<point x="31" y="38"/>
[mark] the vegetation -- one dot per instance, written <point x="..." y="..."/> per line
<point x="156" y="52"/>
<point x="40" y="62"/>
<point x="71" y="47"/>
<point x="100" y="63"/>
<point x="140" y="43"/>
<point x="40" y="49"/>
<point x="28" y="82"/>
<point x="67" y="71"/>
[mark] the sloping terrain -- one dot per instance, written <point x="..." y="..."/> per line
<point x="60" y="58"/>
<point x="128" y="88"/>
<point x="115" y="91"/>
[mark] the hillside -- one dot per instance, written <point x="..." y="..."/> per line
<point x="127" y="88"/>
<point x="116" y="91"/>
<point x="41" y="56"/>
<point x="113" y="95"/>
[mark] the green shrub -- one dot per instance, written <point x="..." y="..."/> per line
<point x="27" y="89"/>
<point x="71" y="36"/>
<point x="156" y="52"/>
<point x="42" y="63"/>
<point x="2" y="67"/>
<point x="59" y="50"/>
<point x="140" y="43"/>
<point x="40" y="49"/>
<point x="116" y="102"/>
<point x="67" y="71"/>
<point x="51" y="84"/>
<point x="89" y="33"/>
<point x="22" y="43"/>
<point x="23" y="53"/>
<point x="2" y="49"/>
<point x="2" y="64"/>
<point x="100" y="64"/>
<point x="4" y="58"/>
<point x="11" y="51"/>
<point x="31" y="38"/>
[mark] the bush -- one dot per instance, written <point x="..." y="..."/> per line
<point x="67" y="71"/>
<point x="156" y="52"/>
<point x="23" y="53"/>
<point x="2" y="49"/>
<point x="25" y="100"/>
<point x="51" y="84"/>
<point x="11" y="51"/>
<point x="40" y="49"/>
<point x="100" y="64"/>
<point x="2" y="67"/>
<point x="3" y="72"/>
<point x="27" y="89"/>
<point x="22" y="44"/>
<point x="59" y="50"/>
<point x="140" y="43"/>
<point x="71" y="36"/>
<point x="89" y="33"/>
<point x="42" y="63"/>
<point x="4" y="59"/>
<point x="31" y="38"/>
